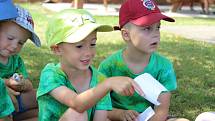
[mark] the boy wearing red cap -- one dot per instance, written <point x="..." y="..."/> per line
<point x="139" y="22"/>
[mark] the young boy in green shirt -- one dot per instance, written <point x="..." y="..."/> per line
<point x="139" y="22"/>
<point x="13" y="35"/>
<point x="73" y="90"/>
<point x="6" y="105"/>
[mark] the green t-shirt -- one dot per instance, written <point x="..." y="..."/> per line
<point x="6" y="105"/>
<point x="15" y="65"/>
<point x="52" y="77"/>
<point x="159" y="67"/>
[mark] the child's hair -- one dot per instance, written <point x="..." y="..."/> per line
<point x="25" y="20"/>
<point x="71" y="26"/>
<point x="7" y="10"/>
<point x="141" y="13"/>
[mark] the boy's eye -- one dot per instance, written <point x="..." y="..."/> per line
<point x="147" y="28"/>
<point x="21" y="43"/>
<point x="158" y="28"/>
<point x="10" y="38"/>
<point x="92" y="45"/>
<point x="78" y="46"/>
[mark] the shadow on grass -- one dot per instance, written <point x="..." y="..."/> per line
<point x="194" y="63"/>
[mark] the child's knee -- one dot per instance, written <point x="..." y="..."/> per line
<point x="178" y="119"/>
<point x="29" y="93"/>
<point x="206" y="116"/>
<point x="72" y="115"/>
<point x="29" y="99"/>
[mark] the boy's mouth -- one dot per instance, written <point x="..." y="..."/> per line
<point x="85" y="61"/>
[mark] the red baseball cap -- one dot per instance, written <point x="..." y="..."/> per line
<point x="141" y="13"/>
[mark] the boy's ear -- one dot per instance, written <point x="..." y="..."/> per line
<point x="56" y="49"/>
<point x="125" y="34"/>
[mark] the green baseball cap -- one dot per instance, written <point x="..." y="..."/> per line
<point x="71" y="26"/>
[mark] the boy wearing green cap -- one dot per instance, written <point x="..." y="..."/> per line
<point x="72" y="89"/>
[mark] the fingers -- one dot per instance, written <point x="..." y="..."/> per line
<point x="131" y="90"/>
<point x="136" y="114"/>
<point x="13" y="92"/>
<point x="13" y="82"/>
<point x="128" y="90"/>
<point x="16" y="85"/>
<point x="130" y="115"/>
<point x="138" y="88"/>
<point x="126" y="86"/>
<point x="21" y="76"/>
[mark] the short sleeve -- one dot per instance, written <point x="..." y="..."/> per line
<point x="22" y="68"/>
<point x="49" y="80"/>
<point x="168" y="78"/>
<point x="104" y="68"/>
<point x="104" y="103"/>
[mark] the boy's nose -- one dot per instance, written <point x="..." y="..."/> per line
<point x="156" y="33"/>
<point x="88" y="51"/>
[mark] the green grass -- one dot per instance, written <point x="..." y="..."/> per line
<point x="194" y="62"/>
<point x="191" y="21"/>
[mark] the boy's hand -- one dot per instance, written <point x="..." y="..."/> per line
<point x="129" y="115"/>
<point x="12" y="92"/>
<point x="16" y="85"/>
<point x="124" y="86"/>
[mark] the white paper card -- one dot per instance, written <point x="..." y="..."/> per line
<point x="150" y="86"/>
<point x="146" y="115"/>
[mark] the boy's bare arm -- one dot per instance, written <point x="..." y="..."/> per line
<point x="79" y="102"/>
<point x="85" y="100"/>
<point x="162" y="111"/>
<point x="100" y="115"/>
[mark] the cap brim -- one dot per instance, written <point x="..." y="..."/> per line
<point x="151" y="18"/>
<point x="7" y="7"/>
<point x="35" y="39"/>
<point x="85" y="30"/>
